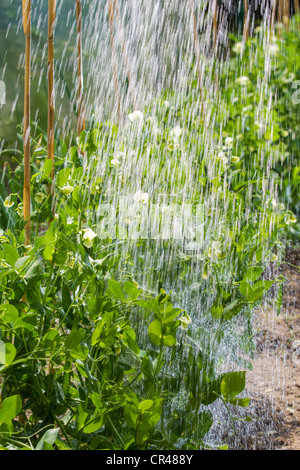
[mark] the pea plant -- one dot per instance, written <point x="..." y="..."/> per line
<point x="99" y="348"/>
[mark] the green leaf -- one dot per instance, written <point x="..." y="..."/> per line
<point x="255" y="292"/>
<point x="49" y="438"/>
<point x="232" y="384"/>
<point x="48" y="167"/>
<point x="28" y="322"/>
<point x="241" y="243"/>
<point x="149" y="304"/>
<point x="205" y="420"/>
<point x="98" y="331"/>
<point x="66" y="299"/>
<point x="116" y="289"/>
<point x="154" y="332"/>
<point x="7" y="353"/>
<point x="232" y="309"/>
<point x="147" y="368"/>
<point x="169" y="340"/>
<point x="243" y="402"/>
<point x="63" y="176"/>
<point x="145" y="405"/>
<point x="171" y="315"/>
<point x="131" y="290"/>
<point x="216" y="311"/>
<point x="51" y="339"/>
<point x="33" y="270"/>
<point x="95" y="424"/>
<point x="80" y="352"/>
<point x="73" y="339"/>
<point x="8" y="313"/>
<point x="11" y="254"/>
<point x="10" y="408"/>
<point x="253" y="274"/>
<point x="81" y="416"/>
<point x="131" y="415"/>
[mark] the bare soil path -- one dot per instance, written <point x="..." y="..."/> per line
<point x="274" y="383"/>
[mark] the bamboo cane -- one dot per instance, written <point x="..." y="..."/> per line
<point x="215" y="24"/>
<point x="51" y="106"/>
<point x="286" y="12"/>
<point x="80" y="104"/>
<point x="275" y="4"/>
<point x="26" y="10"/>
<point x="296" y="5"/>
<point x="280" y="10"/>
<point x="125" y="56"/>
<point x="115" y="75"/>
<point x="246" y="20"/>
<point x="198" y="58"/>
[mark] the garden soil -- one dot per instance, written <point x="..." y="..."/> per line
<point x="274" y="383"/>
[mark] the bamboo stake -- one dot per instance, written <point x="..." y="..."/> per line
<point x="215" y="24"/>
<point x="115" y="76"/>
<point x="51" y="106"/>
<point x="286" y="13"/>
<point x="246" y="20"/>
<point x="126" y="60"/>
<point x="80" y="104"/>
<point x="296" y="5"/>
<point x="198" y="58"/>
<point x="280" y="10"/>
<point x="26" y="10"/>
<point x="275" y="3"/>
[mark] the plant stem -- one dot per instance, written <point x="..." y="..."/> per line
<point x="246" y="20"/>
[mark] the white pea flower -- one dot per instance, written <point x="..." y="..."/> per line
<point x="88" y="237"/>
<point x="235" y="159"/>
<point x="274" y="50"/>
<point x="222" y="157"/>
<point x="229" y="141"/>
<point x="119" y="154"/>
<point x="238" y="47"/>
<point x="185" y="322"/>
<point x="115" y="162"/>
<point x="67" y="189"/>
<point x="136" y="116"/>
<point x="243" y="81"/>
<point x="214" y="250"/>
<point x="176" y="133"/>
<point x="141" y="197"/>
<point x="20" y="210"/>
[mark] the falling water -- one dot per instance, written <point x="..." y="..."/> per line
<point x="129" y="61"/>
